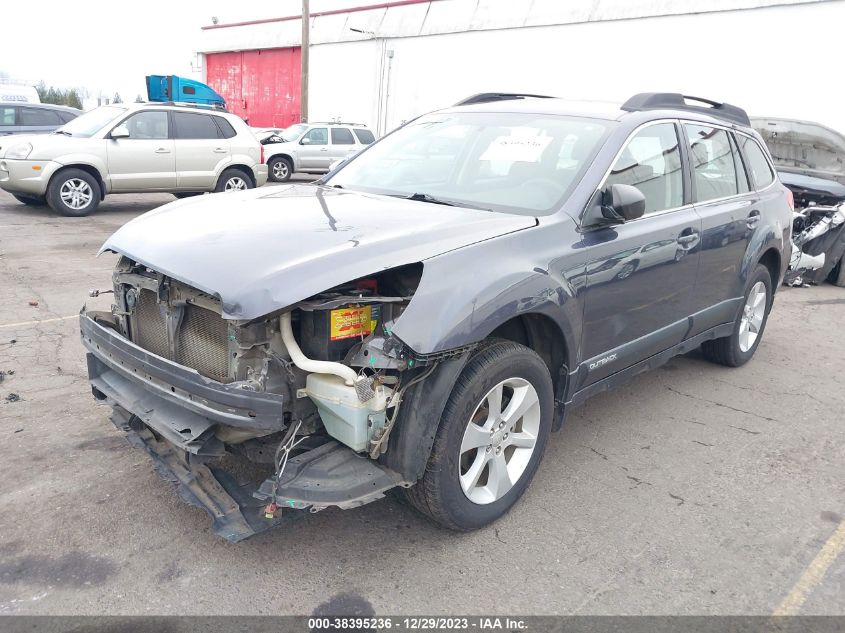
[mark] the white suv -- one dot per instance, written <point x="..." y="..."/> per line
<point x="133" y="148"/>
<point x="311" y="147"/>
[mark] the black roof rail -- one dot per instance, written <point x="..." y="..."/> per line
<point x="677" y="101"/>
<point x="487" y="97"/>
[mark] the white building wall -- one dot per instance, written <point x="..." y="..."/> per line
<point x="773" y="59"/>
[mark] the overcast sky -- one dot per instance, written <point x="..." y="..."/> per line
<point x="110" y="46"/>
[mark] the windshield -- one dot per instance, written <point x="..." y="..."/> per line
<point x="86" y="125"/>
<point x="293" y="132"/>
<point x="513" y="162"/>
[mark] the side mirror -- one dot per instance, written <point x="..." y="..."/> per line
<point x="305" y="141"/>
<point x="621" y="203"/>
<point x="121" y="131"/>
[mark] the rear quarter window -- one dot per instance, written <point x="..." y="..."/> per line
<point x="226" y="128"/>
<point x="758" y="165"/>
<point x="365" y="137"/>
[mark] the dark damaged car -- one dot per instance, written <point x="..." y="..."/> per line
<point x="429" y="312"/>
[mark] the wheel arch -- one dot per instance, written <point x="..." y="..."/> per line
<point x="544" y="336"/>
<point x="246" y="169"/>
<point x="285" y="155"/>
<point x="87" y="168"/>
<point x="771" y="259"/>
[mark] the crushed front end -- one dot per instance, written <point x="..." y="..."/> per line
<point x="256" y="421"/>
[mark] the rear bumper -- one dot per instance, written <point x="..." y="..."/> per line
<point x="175" y="401"/>
<point x="260" y="171"/>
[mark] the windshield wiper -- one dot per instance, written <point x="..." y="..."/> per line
<point x="424" y="197"/>
<point x="62" y="132"/>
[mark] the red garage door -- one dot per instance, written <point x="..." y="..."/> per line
<point x="262" y="86"/>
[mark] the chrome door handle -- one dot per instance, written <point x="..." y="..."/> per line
<point x="162" y="150"/>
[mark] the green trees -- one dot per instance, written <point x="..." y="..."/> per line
<point x="71" y="97"/>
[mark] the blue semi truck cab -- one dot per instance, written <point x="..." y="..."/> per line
<point x="172" y="88"/>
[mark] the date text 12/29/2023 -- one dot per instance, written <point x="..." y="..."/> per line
<point x="417" y="623"/>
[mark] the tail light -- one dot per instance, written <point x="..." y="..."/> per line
<point x="261" y="154"/>
<point x="790" y="198"/>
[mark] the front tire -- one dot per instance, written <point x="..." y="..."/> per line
<point x="738" y="348"/>
<point x="491" y="438"/>
<point x="233" y="180"/>
<point x="74" y="193"/>
<point x="279" y="169"/>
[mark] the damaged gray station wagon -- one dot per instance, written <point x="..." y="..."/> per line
<point x="425" y="315"/>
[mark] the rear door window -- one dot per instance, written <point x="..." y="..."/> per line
<point x="715" y="172"/>
<point x="758" y="165"/>
<point x="189" y="125"/>
<point x="365" y="137"/>
<point x="651" y="162"/>
<point x="342" y="136"/>
<point x="742" y="181"/>
<point x="39" y="117"/>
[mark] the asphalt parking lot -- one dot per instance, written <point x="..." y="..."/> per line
<point x="694" y="489"/>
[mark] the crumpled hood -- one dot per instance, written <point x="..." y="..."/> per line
<point x="262" y="250"/>
<point x="803" y="147"/>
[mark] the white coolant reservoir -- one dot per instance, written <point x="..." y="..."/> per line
<point x="345" y="417"/>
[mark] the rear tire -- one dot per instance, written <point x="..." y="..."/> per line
<point x="279" y="169"/>
<point x="738" y="348"/>
<point x="32" y="201"/>
<point x="233" y="180"/>
<point x="74" y="193"/>
<point x="483" y="460"/>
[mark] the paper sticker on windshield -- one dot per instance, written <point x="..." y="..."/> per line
<point x="516" y="148"/>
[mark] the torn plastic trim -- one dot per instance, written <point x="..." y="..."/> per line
<point x="174" y="383"/>
<point x="235" y="514"/>
<point x="330" y="475"/>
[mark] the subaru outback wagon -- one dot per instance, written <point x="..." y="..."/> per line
<point x="429" y="312"/>
<point x="134" y="148"/>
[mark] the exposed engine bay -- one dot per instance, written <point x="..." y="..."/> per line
<point x="308" y="396"/>
<point x="818" y="230"/>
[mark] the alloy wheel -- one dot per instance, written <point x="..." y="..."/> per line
<point x="235" y="183"/>
<point x="499" y="440"/>
<point x="280" y="169"/>
<point x="76" y="193"/>
<point x="752" y="316"/>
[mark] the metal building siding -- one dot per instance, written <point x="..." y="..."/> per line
<point x="261" y="86"/>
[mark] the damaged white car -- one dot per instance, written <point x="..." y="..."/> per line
<point x="810" y="159"/>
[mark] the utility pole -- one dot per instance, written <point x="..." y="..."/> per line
<point x="306" y="41"/>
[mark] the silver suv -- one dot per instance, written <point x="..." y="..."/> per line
<point x="311" y="147"/>
<point x="132" y="148"/>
